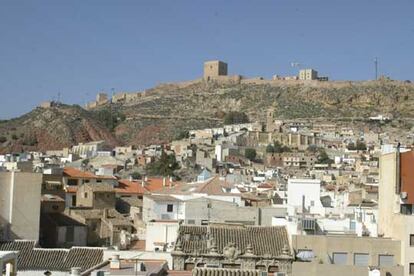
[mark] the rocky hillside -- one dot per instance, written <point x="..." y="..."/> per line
<point x="165" y="110"/>
<point x="161" y="113"/>
<point x="52" y="128"/>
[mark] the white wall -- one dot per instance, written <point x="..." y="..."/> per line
<point x="310" y="188"/>
<point x="160" y="232"/>
<point x="20" y="203"/>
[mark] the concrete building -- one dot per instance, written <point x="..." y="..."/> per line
<point x="305" y="193"/>
<point x="20" y="205"/>
<point x="308" y="74"/>
<point x="96" y="196"/>
<point x="161" y="235"/>
<point x="345" y="255"/>
<point x="214" y="68"/>
<point x="58" y="229"/>
<point x="396" y="199"/>
<point x="162" y="207"/>
<point x="87" y="150"/>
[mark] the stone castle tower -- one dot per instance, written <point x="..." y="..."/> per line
<point x="214" y="69"/>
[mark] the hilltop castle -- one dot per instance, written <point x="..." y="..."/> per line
<point x="214" y="71"/>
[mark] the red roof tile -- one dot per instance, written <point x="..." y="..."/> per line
<point x="154" y="184"/>
<point x="130" y="187"/>
<point x="75" y="173"/>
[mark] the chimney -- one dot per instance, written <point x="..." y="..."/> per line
<point x="105" y="213"/>
<point x="139" y="266"/>
<point x="75" y="271"/>
<point x="130" y="178"/>
<point x="163" y="181"/>
<point x="115" y="262"/>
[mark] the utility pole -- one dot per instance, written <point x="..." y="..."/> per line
<point x="376" y="68"/>
<point x="110" y="106"/>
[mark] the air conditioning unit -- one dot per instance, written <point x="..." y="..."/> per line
<point x="403" y="195"/>
<point x="280" y="274"/>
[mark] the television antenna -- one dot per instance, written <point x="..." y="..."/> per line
<point x="376" y="67"/>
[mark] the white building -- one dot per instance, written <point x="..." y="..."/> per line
<point x="306" y="192"/>
<point x="20" y="205"/>
<point x="161" y="235"/>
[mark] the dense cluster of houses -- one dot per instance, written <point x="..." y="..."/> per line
<point x="283" y="197"/>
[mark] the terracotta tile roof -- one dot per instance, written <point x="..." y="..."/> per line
<point x="265" y="241"/>
<point x="71" y="189"/>
<point x="138" y="245"/>
<point x="153" y="184"/>
<point x="32" y="258"/>
<point x="180" y="273"/>
<point x="212" y="186"/>
<point x="75" y="173"/>
<point x="265" y="186"/>
<point x="130" y="187"/>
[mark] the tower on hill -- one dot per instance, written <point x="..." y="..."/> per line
<point x="214" y="68"/>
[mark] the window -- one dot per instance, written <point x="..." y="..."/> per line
<point x="340" y="258"/>
<point x="170" y="208"/>
<point x="74" y="200"/>
<point x="352" y="225"/>
<point x="70" y="233"/>
<point x="411" y="239"/>
<point x="411" y="268"/>
<point x="386" y="260"/>
<point x="55" y="207"/>
<point x="361" y="259"/>
<point x="85" y="195"/>
<point x="99" y="180"/>
<point x="406" y="209"/>
<point x="204" y="222"/>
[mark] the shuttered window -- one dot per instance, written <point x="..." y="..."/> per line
<point x="340" y="258"/>
<point x="361" y="259"/>
<point x="386" y="260"/>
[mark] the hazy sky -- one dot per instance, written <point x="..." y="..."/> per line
<point x="79" y="47"/>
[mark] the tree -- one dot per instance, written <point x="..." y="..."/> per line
<point x="164" y="166"/>
<point x="270" y="148"/>
<point x="351" y="146"/>
<point x="313" y="148"/>
<point x="14" y="137"/>
<point x="111" y="119"/>
<point x="3" y="139"/>
<point x="250" y="154"/>
<point x="235" y="117"/>
<point x="182" y="135"/>
<point x="279" y="148"/>
<point x="135" y="175"/>
<point x="360" y="145"/>
<point x="323" y="157"/>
